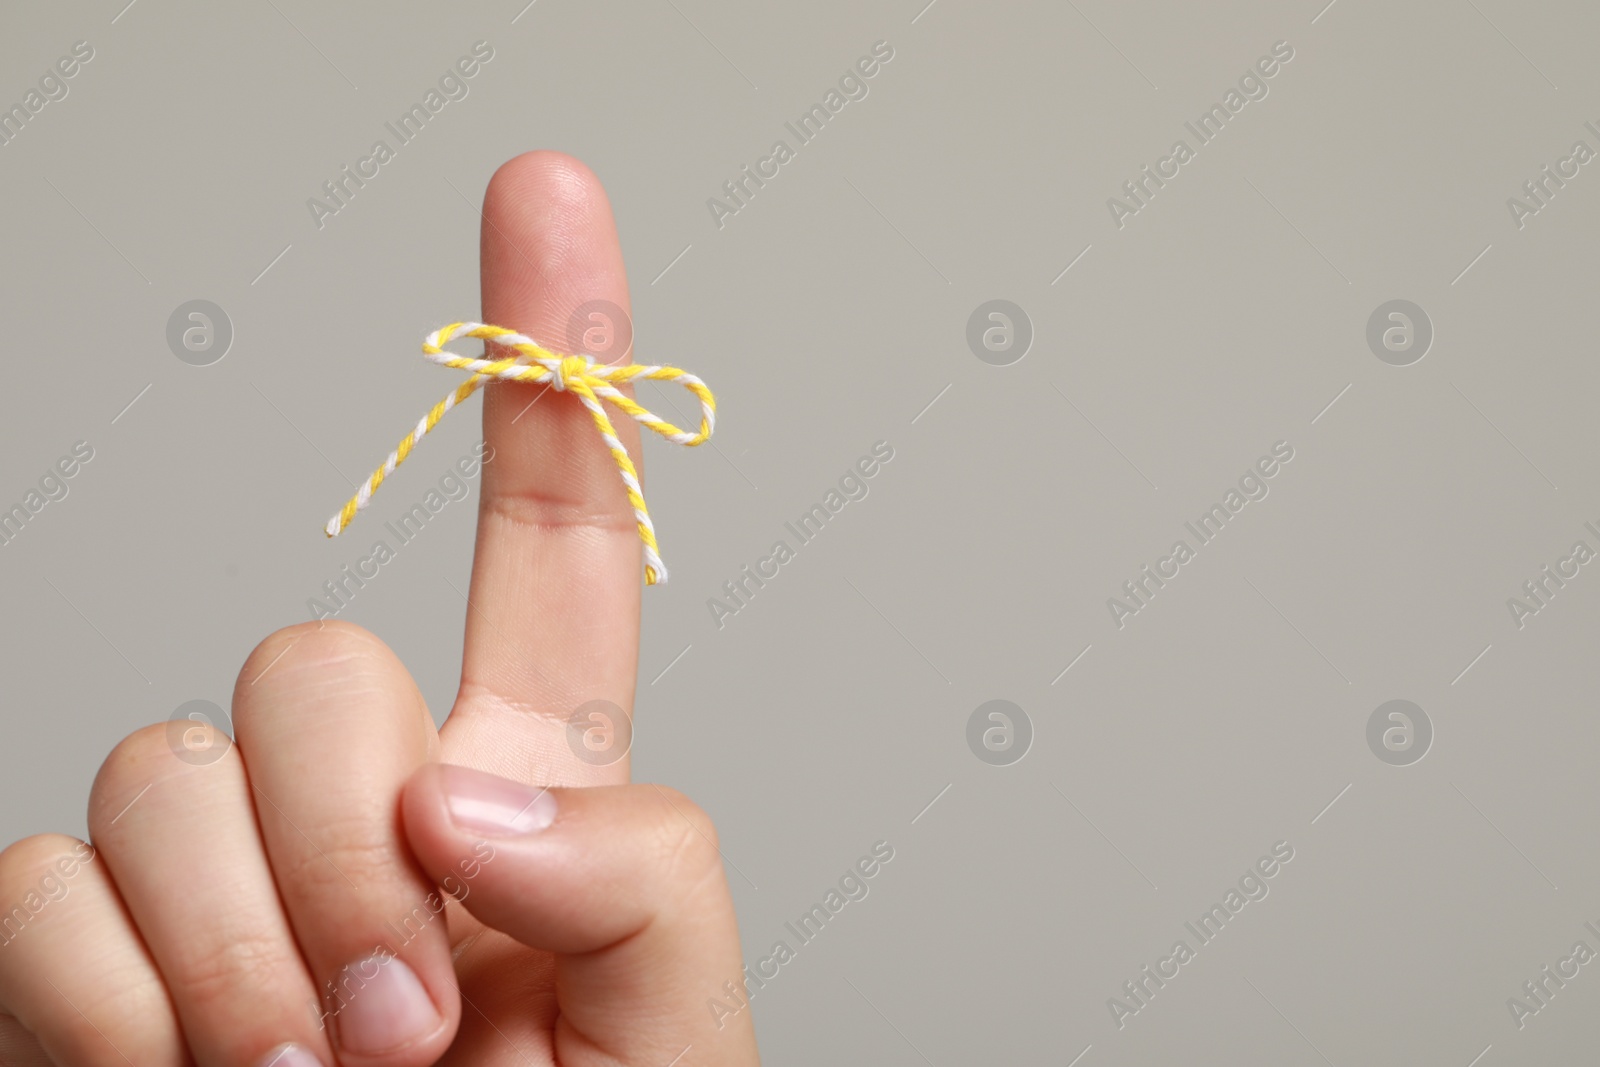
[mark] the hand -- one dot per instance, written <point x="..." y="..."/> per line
<point x="280" y="904"/>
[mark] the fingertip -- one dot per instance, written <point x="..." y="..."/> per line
<point x="428" y="829"/>
<point x="449" y="810"/>
<point x="544" y="174"/>
<point x="549" y="245"/>
<point x="419" y="806"/>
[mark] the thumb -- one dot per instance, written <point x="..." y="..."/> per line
<point x="623" y="884"/>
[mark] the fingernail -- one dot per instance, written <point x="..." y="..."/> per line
<point x="489" y="804"/>
<point x="381" y="1005"/>
<point x="290" y="1056"/>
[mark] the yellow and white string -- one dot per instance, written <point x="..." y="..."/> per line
<point x="589" y="381"/>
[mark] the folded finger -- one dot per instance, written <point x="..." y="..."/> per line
<point x="179" y="839"/>
<point x="329" y="736"/>
<point x="60" y="910"/>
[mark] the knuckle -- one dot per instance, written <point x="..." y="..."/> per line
<point x="36" y="875"/>
<point x="689" y="844"/>
<point x="312" y="667"/>
<point x="341" y="859"/>
<point x="212" y="974"/>
<point x="133" y="1002"/>
<point x="316" y="646"/>
<point x="27" y="864"/>
<point x="140" y="760"/>
<point x="570" y="512"/>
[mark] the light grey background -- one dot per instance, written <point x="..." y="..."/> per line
<point x="1224" y="317"/>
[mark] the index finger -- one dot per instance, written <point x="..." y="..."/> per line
<point x="553" y="613"/>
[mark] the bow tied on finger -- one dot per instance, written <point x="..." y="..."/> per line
<point x="594" y="384"/>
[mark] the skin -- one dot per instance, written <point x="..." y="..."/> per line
<point x="220" y="898"/>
